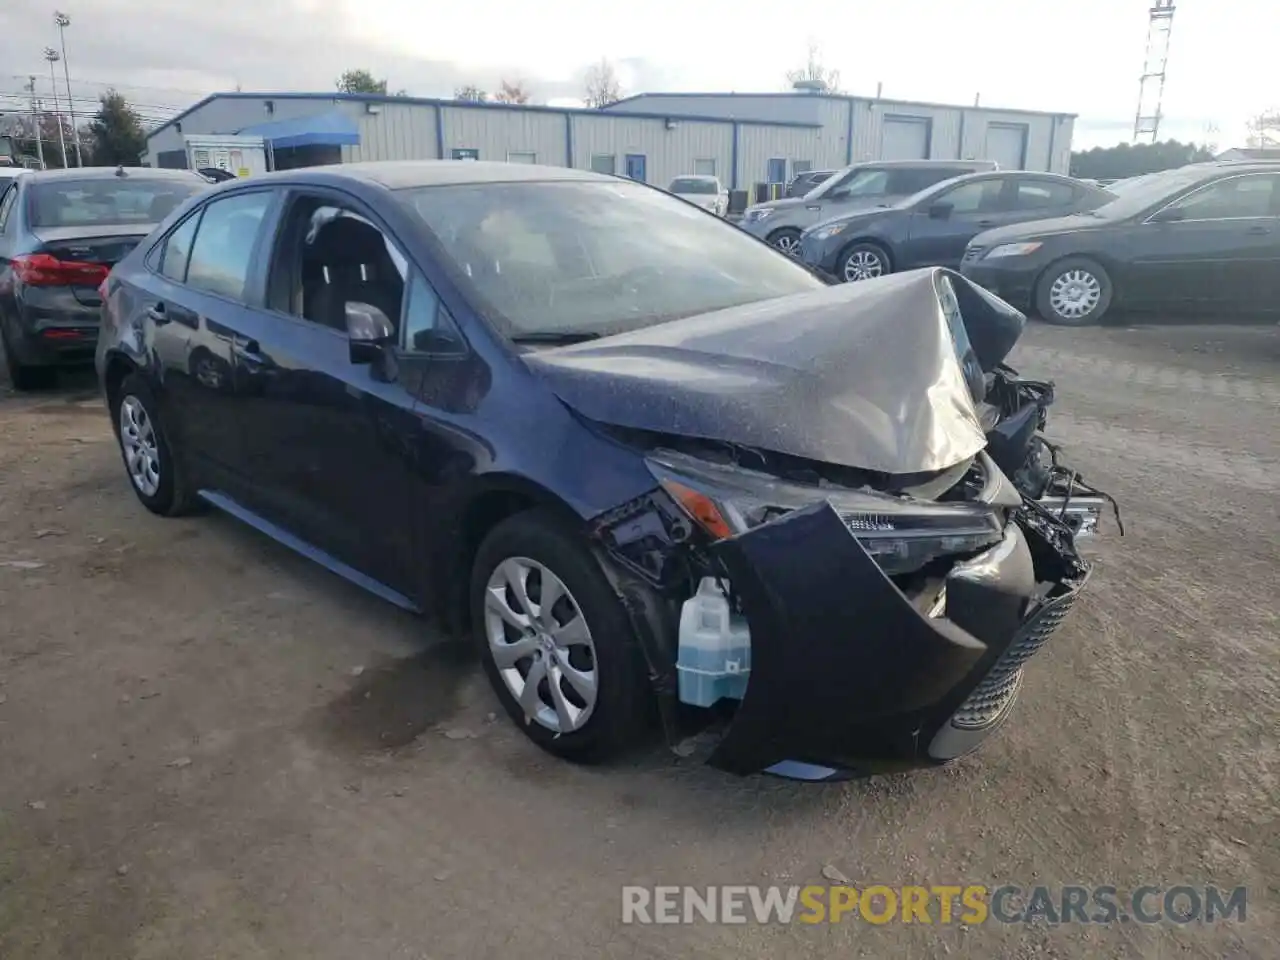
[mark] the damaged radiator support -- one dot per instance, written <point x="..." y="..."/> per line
<point x="639" y="541"/>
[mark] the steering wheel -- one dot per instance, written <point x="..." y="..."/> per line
<point x="630" y="281"/>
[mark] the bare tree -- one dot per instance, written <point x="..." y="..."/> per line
<point x="1264" y="130"/>
<point x="471" y="93"/>
<point x="814" y="74"/>
<point x="603" y="87"/>
<point x="511" y="91"/>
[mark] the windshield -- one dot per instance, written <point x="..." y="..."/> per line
<point x="103" y="202"/>
<point x="692" y="185"/>
<point x="594" y="257"/>
<point x="1137" y="194"/>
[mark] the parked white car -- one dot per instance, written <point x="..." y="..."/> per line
<point x="705" y="191"/>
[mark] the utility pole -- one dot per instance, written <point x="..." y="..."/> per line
<point x="53" y="57"/>
<point x="35" y="120"/>
<point x="63" y="21"/>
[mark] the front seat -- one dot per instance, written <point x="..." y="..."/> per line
<point x="359" y="269"/>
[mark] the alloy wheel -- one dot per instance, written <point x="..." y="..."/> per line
<point x="787" y="243"/>
<point x="1075" y="294"/>
<point x="541" y="644"/>
<point x="141" y="450"/>
<point x="863" y="265"/>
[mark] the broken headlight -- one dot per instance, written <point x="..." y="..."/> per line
<point x="899" y="533"/>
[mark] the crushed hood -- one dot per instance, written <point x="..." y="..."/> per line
<point x="879" y="375"/>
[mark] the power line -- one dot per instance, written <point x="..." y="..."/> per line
<point x="94" y="101"/>
<point x="119" y="86"/>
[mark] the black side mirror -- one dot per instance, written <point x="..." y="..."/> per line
<point x="369" y="331"/>
<point x="941" y="211"/>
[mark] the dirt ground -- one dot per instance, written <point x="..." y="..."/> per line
<point x="211" y="748"/>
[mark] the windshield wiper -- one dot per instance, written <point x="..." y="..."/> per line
<point x="555" y="336"/>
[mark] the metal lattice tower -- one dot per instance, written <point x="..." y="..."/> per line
<point x="1151" y="84"/>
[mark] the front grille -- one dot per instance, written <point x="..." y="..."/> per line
<point x="973" y="253"/>
<point x="990" y="698"/>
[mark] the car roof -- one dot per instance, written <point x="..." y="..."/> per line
<point x="925" y="164"/>
<point x="109" y="173"/>
<point x="402" y="174"/>
<point x="1248" y="166"/>
<point x="1028" y="174"/>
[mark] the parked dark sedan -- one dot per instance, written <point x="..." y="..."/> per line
<point x="933" y="227"/>
<point x="1205" y="235"/>
<point x="528" y="400"/>
<point x="60" y="232"/>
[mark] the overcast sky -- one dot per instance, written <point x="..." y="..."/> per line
<point x="1081" y="56"/>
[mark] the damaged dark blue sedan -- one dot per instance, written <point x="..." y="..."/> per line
<point x="661" y="473"/>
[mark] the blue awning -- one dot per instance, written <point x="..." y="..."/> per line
<point x="332" y="129"/>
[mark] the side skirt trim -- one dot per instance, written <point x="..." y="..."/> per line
<point x="298" y="545"/>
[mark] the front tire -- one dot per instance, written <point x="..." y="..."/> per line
<point x="787" y="240"/>
<point x="863" y="261"/>
<point x="156" y="475"/>
<point x="1075" y="292"/>
<point x="555" y="641"/>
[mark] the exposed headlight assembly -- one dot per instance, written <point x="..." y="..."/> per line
<point x="902" y="535"/>
<point x="1012" y="250"/>
<point x="755" y="214"/>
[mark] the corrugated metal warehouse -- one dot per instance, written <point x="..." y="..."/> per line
<point x="744" y="139"/>
<point x="852" y="129"/>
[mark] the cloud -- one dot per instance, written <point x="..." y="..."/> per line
<point x="177" y="52"/>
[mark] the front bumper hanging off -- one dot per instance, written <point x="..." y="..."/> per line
<point x="846" y="673"/>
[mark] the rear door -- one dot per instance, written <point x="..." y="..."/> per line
<point x="194" y="294"/>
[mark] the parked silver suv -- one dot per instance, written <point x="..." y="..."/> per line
<point x="861" y="186"/>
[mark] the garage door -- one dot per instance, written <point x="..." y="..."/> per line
<point x="904" y="138"/>
<point x="1006" y="144"/>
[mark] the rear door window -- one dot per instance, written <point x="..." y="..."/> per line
<point x="1039" y="194"/>
<point x="222" y="253"/>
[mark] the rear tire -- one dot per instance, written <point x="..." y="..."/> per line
<point x="22" y="376"/>
<point x="787" y="240"/>
<point x="585" y="634"/>
<point x="1074" y="292"/>
<point x="158" y="477"/>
